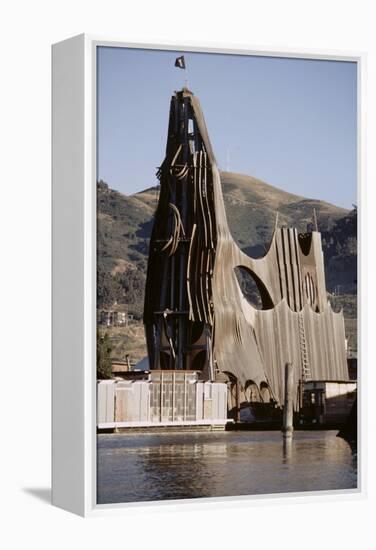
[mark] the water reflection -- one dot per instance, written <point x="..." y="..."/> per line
<point x="140" y="467"/>
<point x="287" y="449"/>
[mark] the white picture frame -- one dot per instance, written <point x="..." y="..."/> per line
<point x="74" y="270"/>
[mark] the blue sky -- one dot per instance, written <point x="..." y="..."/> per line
<point x="289" y="122"/>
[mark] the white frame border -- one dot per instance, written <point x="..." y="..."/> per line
<point x="85" y="501"/>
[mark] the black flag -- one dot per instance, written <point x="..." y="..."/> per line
<point x="180" y="62"/>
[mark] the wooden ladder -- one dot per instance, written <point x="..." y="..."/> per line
<point x="306" y="370"/>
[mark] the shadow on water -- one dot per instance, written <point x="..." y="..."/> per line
<point x="40" y="493"/>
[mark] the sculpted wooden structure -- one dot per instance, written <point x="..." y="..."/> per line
<point x="196" y="316"/>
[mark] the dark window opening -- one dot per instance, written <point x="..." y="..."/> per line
<point x="305" y="241"/>
<point x="199" y="361"/>
<point x="253" y="289"/>
<point x="197" y="330"/>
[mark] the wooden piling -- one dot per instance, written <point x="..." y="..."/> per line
<point x="237" y="417"/>
<point x="288" y="410"/>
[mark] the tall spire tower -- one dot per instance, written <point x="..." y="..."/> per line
<point x="178" y="307"/>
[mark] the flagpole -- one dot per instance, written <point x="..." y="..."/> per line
<point x="180" y="63"/>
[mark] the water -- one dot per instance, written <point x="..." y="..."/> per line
<point x="142" y="467"/>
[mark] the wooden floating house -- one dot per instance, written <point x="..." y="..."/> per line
<point x="196" y="316"/>
<point x="210" y="350"/>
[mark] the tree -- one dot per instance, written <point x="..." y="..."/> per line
<point x="104" y="370"/>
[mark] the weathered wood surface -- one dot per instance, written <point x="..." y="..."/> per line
<point x="296" y="324"/>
